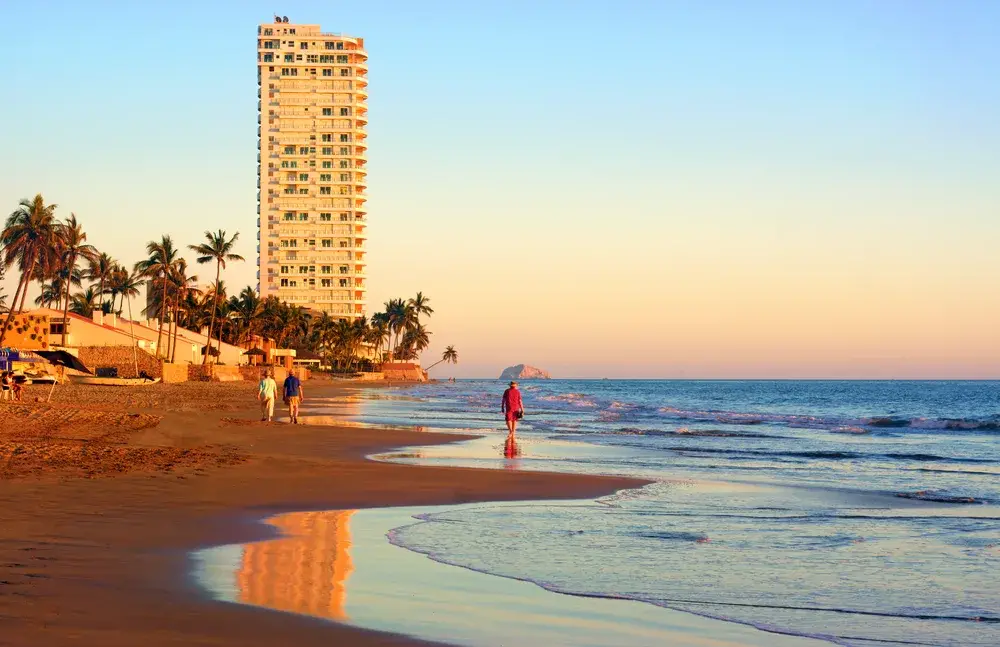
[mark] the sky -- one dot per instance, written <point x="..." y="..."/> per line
<point x="676" y="189"/>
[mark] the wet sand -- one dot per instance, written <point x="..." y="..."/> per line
<point x="105" y="491"/>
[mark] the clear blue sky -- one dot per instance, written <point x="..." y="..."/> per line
<point x="636" y="188"/>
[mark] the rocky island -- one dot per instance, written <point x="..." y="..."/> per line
<point x="524" y="372"/>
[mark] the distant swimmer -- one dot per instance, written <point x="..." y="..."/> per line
<point x="512" y="407"/>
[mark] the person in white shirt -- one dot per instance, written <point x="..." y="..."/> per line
<point x="267" y="389"/>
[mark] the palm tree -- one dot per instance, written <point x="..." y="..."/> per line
<point x="128" y="286"/>
<point x="74" y="247"/>
<point x="220" y="250"/>
<point x="158" y="266"/>
<point x="181" y="284"/>
<point x="28" y="232"/>
<point x="247" y="310"/>
<point x="216" y="299"/>
<point x="450" y="355"/>
<point x="419" y="305"/>
<point x="100" y="270"/>
<point x="400" y="316"/>
<point x="415" y="341"/>
<point x="51" y="294"/>
<point x="116" y="284"/>
<point x="86" y="302"/>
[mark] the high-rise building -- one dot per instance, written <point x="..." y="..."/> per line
<point x="312" y="113"/>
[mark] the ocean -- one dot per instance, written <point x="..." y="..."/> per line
<point x="861" y="513"/>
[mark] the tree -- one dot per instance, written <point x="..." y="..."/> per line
<point x="50" y="295"/>
<point x="450" y="355"/>
<point x="216" y="248"/>
<point x="29" y="233"/>
<point x="181" y="284"/>
<point x="73" y="247"/>
<point x="247" y="310"/>
<point x="100" y="270"/>
<point x="158" y="266"/>
<point x="86" y="302"/>
<point x="420" y="306"/>
<point x="128" y="286"/>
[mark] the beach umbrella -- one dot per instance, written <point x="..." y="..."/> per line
<point x="62" y="358"/>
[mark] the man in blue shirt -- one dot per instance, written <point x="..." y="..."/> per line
<point x="293" y="397"/>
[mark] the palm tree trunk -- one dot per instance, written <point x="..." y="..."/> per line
<point x="13" y="304"/>
<point x="131" y="329"/>
<point x="100" y="295"/>
<point x="177" y="310"/>
<point x="211" y="323"/>
<point x="69" y="275"/>
<point x="161" y="313"/>
<point x="27" y="281"/>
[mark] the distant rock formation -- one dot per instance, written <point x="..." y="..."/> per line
<point x="524" y="372"/>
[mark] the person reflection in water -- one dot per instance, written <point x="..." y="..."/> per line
<point x="510" y="447"/>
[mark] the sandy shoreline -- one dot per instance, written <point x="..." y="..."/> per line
<point x="104" y="492"/>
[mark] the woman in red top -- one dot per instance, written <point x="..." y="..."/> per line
<point x="512" y="407"/>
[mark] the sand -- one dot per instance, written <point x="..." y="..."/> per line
<point x="104" y="492"/>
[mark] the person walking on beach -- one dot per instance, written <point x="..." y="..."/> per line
<point x="293" y="397"/>
<point x="512" y="407"/>
<point x="267" y="389"/>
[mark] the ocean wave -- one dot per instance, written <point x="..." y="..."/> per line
<point x="935" y="497"/>
<point x="685" y="431"/>
<point x="841" y="425"/>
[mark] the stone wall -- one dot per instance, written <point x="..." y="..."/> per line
<point x="120" y="357"/>
<point x="173" y="373"/>
<point x="27" y="331"/>
<point x="215" y="373"/>
<point x="404" y="372"/>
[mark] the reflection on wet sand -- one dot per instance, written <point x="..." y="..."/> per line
<point x="306" y="571"/>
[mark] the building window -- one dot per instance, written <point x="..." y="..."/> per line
<point x="303" y="45"/>
<point x="284" y="269"/>
<point x="289" y="216"/>
<point x="345" y="71"/>
<point x="343" y="283"/>
<point x="303" y="177"/>
<point x="327" y="112"/>
<point x="289" y="150"/>
<point x="325" y="217"/>
<point x="326" y="283"/>
<point x="312" y="58"/>
<point x="328" y="45"/>
<point x="303" y="150"/>
<point x="289" y="71"/>
<point x="344" y="217"/>
<point x="344" y="137"/>
<point x="303" y="217"/>
<point x="325" y="177"/>
<point x="328" y="150"/>
<point x="303" y="269"/>
<point x="344" y="164"/>
<point x="345" y="177"/>
<point x="284" y="283"/>
<point x="327" y="137"/>
<point x="344" y="190"/>
<point x="327" y="163"/>
<point x="327" y="242"/>
<point x="327" y="72"/>
<point x="345" y="112"/>
<point x="293" y="283"/>
<point x="269" y="58"/>
<point x="341" y="58"/>
<point x="289" y="58"/>
<point x="340" y="46"/>
<point x="324" y="190"/>
<point x="325" y="58"/>
<point x="345" y="150"/>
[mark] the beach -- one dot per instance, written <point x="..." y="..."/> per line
<point x="105" y="491"/>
